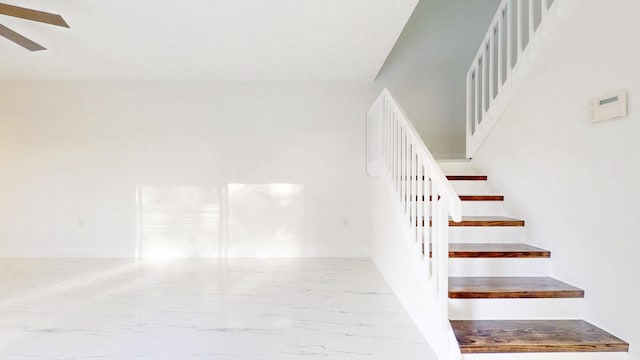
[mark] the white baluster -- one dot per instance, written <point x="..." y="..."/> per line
<point x="398" y="155"/>
<point x="532" y="20"/>
<point x="412" y="180"/>
<point x="419" y="208"/>
<point x="394" y="152"/>
<point x="387" y="138"/>
<point x="469" y="112"/>
<point x="520" y="28"/>
<point x="492" y="61"/>
<point x="443" y="271"/>
<point x="426" y="215"/>
<point x="403" y="169"/>
<point x="509" y="37"/>
<point x="435" y="241"/>
<point x="414" y="191"/>
<point x="477" y="96"/>
<point x="403" y="188"/>
<point x="407" y="175"/>
<point x="484" y="83"/>
<point x="407" y="184"/>
<point x="500" y="50"/>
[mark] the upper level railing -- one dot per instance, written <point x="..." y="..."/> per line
<point x="517" y="33"/>
<point x="425" y="196"/>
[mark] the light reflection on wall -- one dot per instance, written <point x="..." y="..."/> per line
<point x="180" y="221"/>
<point x="230" y="220"/>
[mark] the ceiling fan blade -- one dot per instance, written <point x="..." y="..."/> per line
<point x="33" y="15"/>
<point x="20" y="40"/>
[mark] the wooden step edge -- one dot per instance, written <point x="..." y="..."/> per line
<point x="525" y="294"/>
<point x="517" y="287"/>
<point x="468" y="198"/>
<point x="490" y="250"/>
<point x="467" y="177"/>
<point x="481" y="197"/>
<point x="480" y="221"/>
<point x="451" y="177"/>
<point x="533" y="336"/>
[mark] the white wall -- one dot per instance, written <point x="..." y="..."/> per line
<point x="166" y="170"/>
<point x="427" y="67"/>
<point x="578" y="184"/>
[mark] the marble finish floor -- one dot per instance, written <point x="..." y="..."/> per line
<point x="202" y="309"/>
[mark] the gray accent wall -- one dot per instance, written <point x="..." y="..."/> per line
<point x="427" y="67"/>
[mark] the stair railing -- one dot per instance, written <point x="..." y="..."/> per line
<point x="425" y="196"/>
<point x="517" y="34"/>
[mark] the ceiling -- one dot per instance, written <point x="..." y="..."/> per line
<point x="207" y="40"/>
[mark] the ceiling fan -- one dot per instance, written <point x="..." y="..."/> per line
<point x="28" y="14"/>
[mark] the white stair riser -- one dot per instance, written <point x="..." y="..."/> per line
<point x="486" y="234"/>
<point x="479" y="208"/>
<point x="471" y="187"/>
<point x="550" y="356"/>
<point x="499" y="267"/>
<point x="457" y="167"/>
<point x="515" y="309"/>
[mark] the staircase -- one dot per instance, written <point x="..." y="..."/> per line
<point x="468" y="277"/>
<point x="501" y="301"/>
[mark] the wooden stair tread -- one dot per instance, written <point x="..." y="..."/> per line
<point x="467" y="177"/>
<point x="517" y="336"/>
<point x="481" y="197"/>
<point x="484" y="221"/>
<point x="488" y="250"/>
<point x="449" y="177"/>
<point x="473" y="198"/>
<point x="510" y="287"/>
<point x="487" y="221"/>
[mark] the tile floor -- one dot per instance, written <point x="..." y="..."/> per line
<point x="202" y="309"/>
